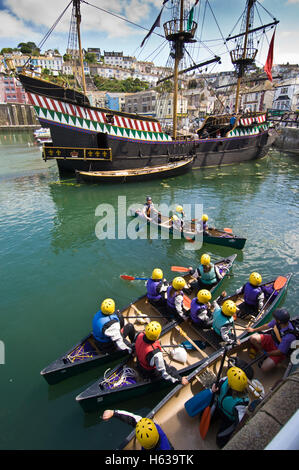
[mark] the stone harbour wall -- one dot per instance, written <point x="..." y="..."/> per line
<point x="17" y="115"/>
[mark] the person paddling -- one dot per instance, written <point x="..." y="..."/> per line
<point x="156" y="288"/>
<point x="223" y="321"/>
<point x="275" y="343"/>
<point x="253" y="296"/>
<point x="109" y="330"/>
<point x="148" y="433"/>
<point x="149" y="356"/>
<point x="175" y="298"/>
<point x="200" y="310"/>
<point x="207" y="274"/>
<point x="150" y="211"/>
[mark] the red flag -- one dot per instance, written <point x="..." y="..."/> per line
<point x="269" y="62"/>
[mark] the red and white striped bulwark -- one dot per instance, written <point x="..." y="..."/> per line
<point x="92" y="114"/>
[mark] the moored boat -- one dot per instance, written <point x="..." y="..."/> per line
<point x="104" y="139"/>
<point x="85" y="354"/>
<point x="181" y="429"/>
<point x="191" y="230"/>
<point x="137" y="174"/>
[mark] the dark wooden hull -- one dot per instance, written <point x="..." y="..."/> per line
<point x="139" y="174"/>
<point x="137" y="141"/>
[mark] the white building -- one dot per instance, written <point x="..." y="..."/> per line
<point x="286" y="95"/>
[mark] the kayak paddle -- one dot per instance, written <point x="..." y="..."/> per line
<point x="206" y="416"/>
<point x="179" y="269"/>
<point x="132" y="278"/>
<point x="279" y="283"/>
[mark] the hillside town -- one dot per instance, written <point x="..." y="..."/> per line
<point x="201" y="93"/>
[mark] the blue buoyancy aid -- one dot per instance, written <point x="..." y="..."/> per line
<point x="171" y="298"/>
<point x="220" y="320"/>
<point x="98" y="323"/>
<point x="207" y="277"/>
<point x="195" y="309"/>
<point x="227" y="402"/>
<point x="251" y="294"/>
<point x="163" y="443"/>
<point x="152" y="293"/>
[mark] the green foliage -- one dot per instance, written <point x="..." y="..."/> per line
<point x="67" y="57"/>
<point x="90" y="57"/>
<point x="29" y="48"/>
<point x="165" y="87"/>
<point x="130" y="85"/>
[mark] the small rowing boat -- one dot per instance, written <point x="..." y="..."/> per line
<point x="180" y="427"/>
<point x="136" y="174"/>
<point x="273" y="298"/>
<point x="191" y="229"/>
<point x="85" y="354"/>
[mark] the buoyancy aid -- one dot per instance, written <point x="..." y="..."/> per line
<point x="152" y="293"/>
<point x="227" y="403"/>
<point x="195" y="309"/>
<point x="142" y="349"/>
<point x="98" y="323"/>
<point x="171" y="298"/>
<point x="251" y="294"/>
<point x="207" y="277"/>
<point x="220" y="320"/>
<point x="163" y="442"/>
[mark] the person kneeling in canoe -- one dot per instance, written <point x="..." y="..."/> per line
<point x="203" y="225"/>
<point x="276" y="343"/>
<point x="149" y="434"/>
<point x="200" y="310"/>
<point x="109" y="330"/>
<point x="175" y="298"/>
<point x="150" y="211"/>
<point x="207" y="274"/>
<point x="232" y="403"/>
<point x="149" y="355"/>
<point x="253" y="296"/>
<point x="223" y="321"/>
<point x="156" y="288"/>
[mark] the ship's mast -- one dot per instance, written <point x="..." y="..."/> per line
<point x="178" y="32"/>
<point x="76" y="4"/>
<point x="245" y="54"/>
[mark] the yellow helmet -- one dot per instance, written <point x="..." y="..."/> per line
<point x="205" y="259"/>
<point x="204" y="296"/>
<point x="237" y="379"/>
<point x="229" y="308"/>
<point x="157" y="274"/>
<point x="174" y="217"/>
<point x="179" y="209"/>
<point x="147" y="433"/>
<point x="255" y="279"/>
<point x="204" y="218"/>
<point x="108" y="306"/>
<point x="178" y="283"/>
<point x="153" y="330"/>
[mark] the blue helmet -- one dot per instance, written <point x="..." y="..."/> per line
<point x="282" y="315"/>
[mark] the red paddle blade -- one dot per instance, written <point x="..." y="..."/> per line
<point x="127" y="278"/>
<point x="179" y="269"/>
<point x="187" y="302"/>
<point x="205" y="422"/>
<point x="228" y="230"/>
<point x="279" y="282"/>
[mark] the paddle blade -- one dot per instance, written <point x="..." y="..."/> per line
<point x="179" y="269"/>
<point x="186" y="302"/>
<point x="199" y="402"/>
<point x="127" y="278"/>
<point x="205" y="422"/>
<point x="280" y="282"/>
<point x="228" y="230"/>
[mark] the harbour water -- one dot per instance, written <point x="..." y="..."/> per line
<point x="55" y="272"/>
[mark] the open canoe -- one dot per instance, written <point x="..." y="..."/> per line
<point x="85" y="355"/>
<point x="214" y="236"/>
<point x="241" y="323"/>
<point x="136" y="174"/>
<point x="124" y="381"/>
<point x="181" y="429"/>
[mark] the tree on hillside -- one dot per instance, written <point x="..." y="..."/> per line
<point x="29" y="48"/>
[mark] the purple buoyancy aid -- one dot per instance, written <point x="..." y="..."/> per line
<point x="251" y="294"/>
<point x="152" y="293"/>
<point x="196" y="309"/>
<point x="171" y="299"/>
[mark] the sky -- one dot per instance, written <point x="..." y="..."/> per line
<point x="30" y="20"/>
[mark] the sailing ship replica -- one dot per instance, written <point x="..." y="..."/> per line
<point x="88" y="138"/>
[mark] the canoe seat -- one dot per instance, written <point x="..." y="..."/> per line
<point x="211" y="337"/>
